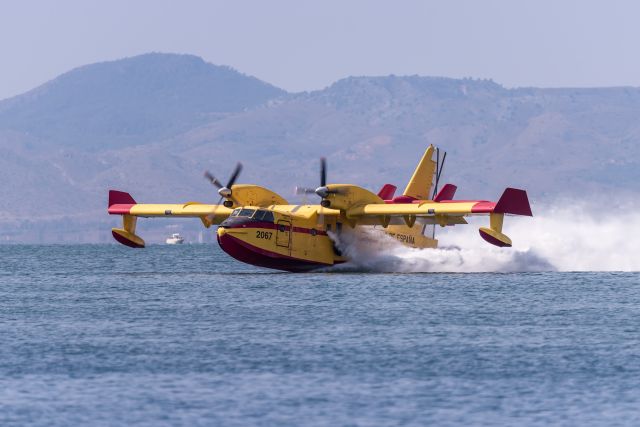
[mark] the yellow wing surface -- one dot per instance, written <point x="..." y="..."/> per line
<point x="121" y="203"/>
<point x="360" y="206"/>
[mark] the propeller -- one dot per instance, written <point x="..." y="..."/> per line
<point x="323" y="180"/>
<point x="322" y="190"/>
<point x="224" y="191"/>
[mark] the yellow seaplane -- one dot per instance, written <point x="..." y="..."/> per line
<point x="259" y="227"/>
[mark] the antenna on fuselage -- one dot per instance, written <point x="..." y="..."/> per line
<point x="439" y="168"/>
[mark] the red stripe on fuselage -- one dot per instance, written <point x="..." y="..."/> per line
<point x="272" y="226"/>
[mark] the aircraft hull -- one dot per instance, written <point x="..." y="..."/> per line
<point x="254" y="255"/>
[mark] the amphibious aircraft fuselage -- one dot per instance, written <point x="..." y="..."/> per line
<point x="259" y="227"/>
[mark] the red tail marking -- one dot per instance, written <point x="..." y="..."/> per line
<point x="446" y="193"/>
<point x="513" y="201"/>
<point x="120" y="198"/>
<point x="387" y="191"/>
<point x="120" y="203"/>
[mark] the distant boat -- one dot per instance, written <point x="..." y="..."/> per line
<point x="175" y="239"/>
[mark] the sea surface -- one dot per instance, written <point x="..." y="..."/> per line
<point x="102" y="335"/>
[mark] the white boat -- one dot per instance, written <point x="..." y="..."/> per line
<point x="175" y="239"/>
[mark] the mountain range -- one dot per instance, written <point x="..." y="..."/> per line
<point x="151" y="124"/>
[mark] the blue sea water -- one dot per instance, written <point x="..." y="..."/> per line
<point x="102" y="335"/>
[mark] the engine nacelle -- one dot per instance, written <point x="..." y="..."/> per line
<point x="254" y="195"/>
<point x="345" y="196"/>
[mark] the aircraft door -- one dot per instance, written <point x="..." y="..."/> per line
<point x="283" y="233"/>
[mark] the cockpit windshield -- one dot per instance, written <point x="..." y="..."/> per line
<point x="248" y="213"/>
<point x="255" y="214"/>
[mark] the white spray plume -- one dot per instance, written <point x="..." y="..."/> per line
<point x="567" y="236"/>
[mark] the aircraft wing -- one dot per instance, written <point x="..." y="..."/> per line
<point x="427" y="213"/>
<point x="512" y="202"/>
<point x="418" y="209"/>
<point x="121" y="203"/>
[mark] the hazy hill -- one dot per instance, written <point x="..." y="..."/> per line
<point x="131" y="101"/>
<point x="151" y="125"/>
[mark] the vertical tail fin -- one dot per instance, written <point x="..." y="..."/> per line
<point x="447" y="193"/>
<point x="419" y="186"/>
<point x="387" y="191"/>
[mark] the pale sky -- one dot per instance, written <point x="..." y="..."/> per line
<point x="303" y="45"/>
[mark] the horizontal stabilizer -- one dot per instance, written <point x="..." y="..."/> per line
<point x="387" y="192"/>
<point x="513" y="201"/>
<point x="447" y="193"/>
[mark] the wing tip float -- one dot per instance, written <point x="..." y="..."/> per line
<point x="513" y="201"/>
<point x="120" y="203"/>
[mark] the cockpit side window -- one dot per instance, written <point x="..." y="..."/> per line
<point x="263" y="215"/>
<point x="246" y="213"/>
<point x="235" y="212"/>
<point x="268" y="216"/>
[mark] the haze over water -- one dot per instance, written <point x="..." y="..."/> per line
<point x="103" y="335"/>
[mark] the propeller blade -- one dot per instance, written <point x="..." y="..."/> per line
<point x="304" y="190"/>
<point x="212" y="215"/>
<point x="235" y="175"/>
<point x="212" y="179"/>
<point x="323" y="172"/>
<point x="323" y="182"/>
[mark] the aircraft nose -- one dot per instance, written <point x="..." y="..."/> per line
<point x="222" y="232"/>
